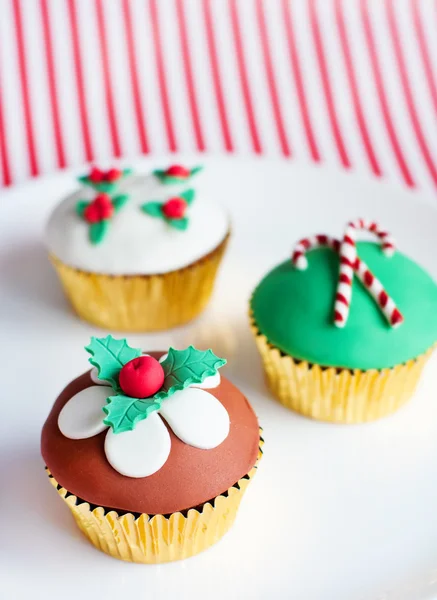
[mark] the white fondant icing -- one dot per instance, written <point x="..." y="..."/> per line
<point x="196" y="417"/>
<point x="82" y="416"/>
<point x="140" y="452"/>
<point x="95" y="378"/>
<point x="137" y="243"/>
<point x="209" y="383"/>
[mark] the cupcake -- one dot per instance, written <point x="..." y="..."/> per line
<point x="153" y="452"/>
<point x="138" y="252"/>
<point x="344" y="328"/>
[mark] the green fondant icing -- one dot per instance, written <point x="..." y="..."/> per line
<point x="109" y="355"/>
<point x="97" y="231"/>
<point x="294" y="310"/>
<point x="185" y="367"/>
<point x="180" y="224"/>
<point x="119" y="201"/>
<point x="154" y="209"/>
<point x="81" y="206"/>
<point x="124" y="412"/>
<point x="188" y="196"/>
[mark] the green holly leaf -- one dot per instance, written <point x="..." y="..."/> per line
<point x="109" y="356"/>
<point x="154" y="209"/>
<point x="188" y="196"/>
<point x="119" y="201"/>
<point x="184" y="367"/>
<point x="98" y="231"/>
<point x="81" y="206"/>
<point x="84" y="179"/>
<point x="195" y="170"/>
<point x="124" y="412"/>
<point x="180" y="224"/>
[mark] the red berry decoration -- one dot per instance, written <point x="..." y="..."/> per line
<point x="174" y="208"/>
<point x="178" y="171"/>
<point x="99" y="209"/>
<point x="113" y="175"/>
<point x="96" y="175"/>
<point x="141" y="377"/>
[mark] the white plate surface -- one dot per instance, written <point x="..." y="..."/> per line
<point x="334" y="513"/>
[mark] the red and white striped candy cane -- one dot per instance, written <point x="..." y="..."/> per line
<point x="378" y="293"/>
<point x="348" y="264"/>
<point x="315" y="241"/>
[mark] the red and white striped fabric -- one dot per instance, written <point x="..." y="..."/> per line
<point x="351" y="83"/>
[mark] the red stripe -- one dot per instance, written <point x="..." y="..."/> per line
<point x="326" y="84"/>
<point x="400" y="59"/>
<point x="134" y="69"/>
<point x="348" y="240"/>
<point x="379" y="80"/>
<point x="162" y="79"/>
<point x="424" y="52"/>
<point x="396" y="317"/>
<point x="297" y="75"/>
<point x="322" y="239"/>
<point x="368" y="278"/>
<point x="241" y="63"/>
<point x="104" y="54"/>
<point x="24" y="83"/>
<point x="383" y="298"/>
<point x="345" y="279"/>
<point x="346" y="261"/>
<point x="338" y="317"/>
<point x="51" y="74"/>
<point x="4" y="155"/>
<point x="216" y="78"/>
<point x="371" y="156"/>
<point x="189" y="77"/>
<point x="80" y="81"/>
<point x="340" y="298"/>
<point x="273" y="90"/>
<point x="305" y="243"/>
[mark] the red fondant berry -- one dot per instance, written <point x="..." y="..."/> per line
<point x="141" y="377"/>
<point x="99" y="209"/>
<point x="96" y="175"/>
<point x="113" y="175"/>
<point x="92" y="213"/>
<point x="178" y="171"/>
<point x="174" y="208"/>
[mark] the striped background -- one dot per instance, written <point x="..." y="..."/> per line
<point x="349" y="83"/>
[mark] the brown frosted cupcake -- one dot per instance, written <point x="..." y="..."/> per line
<point x="139" y="252"/>
<point x="152" y="453"/>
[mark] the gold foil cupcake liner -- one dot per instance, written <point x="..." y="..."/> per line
<point x="158" y="538"/>
<point x="337" y="395"/>
<point x="141" y="302"/>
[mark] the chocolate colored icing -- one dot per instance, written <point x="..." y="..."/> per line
<point x="189" y="478"/>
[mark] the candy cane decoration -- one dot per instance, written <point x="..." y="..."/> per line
<point x="350" y="263"/>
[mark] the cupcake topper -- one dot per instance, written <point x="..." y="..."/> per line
<point x="173" y="210"/>
<point x="133" y="391"/>
<point x="350" y="263"/>
<point x="104" y="181"/>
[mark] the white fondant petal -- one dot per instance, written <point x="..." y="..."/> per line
<point x="95" y="378"/>
<point x="208" y="384"/>
<point x="82" y="416"/>
<point x="196" y="417"/>
<point x="140" y="452"/>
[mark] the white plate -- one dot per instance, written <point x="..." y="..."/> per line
<point x="335" y="512"/>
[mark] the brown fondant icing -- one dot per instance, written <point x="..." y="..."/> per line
<point x="189" y="477"/>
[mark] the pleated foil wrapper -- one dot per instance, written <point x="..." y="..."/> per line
<point x="334" y="394"/>
<point x="142" y="538"/>
<point x="141" y="302"/>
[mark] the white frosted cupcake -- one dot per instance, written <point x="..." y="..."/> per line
<point x="139" y="252"/>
